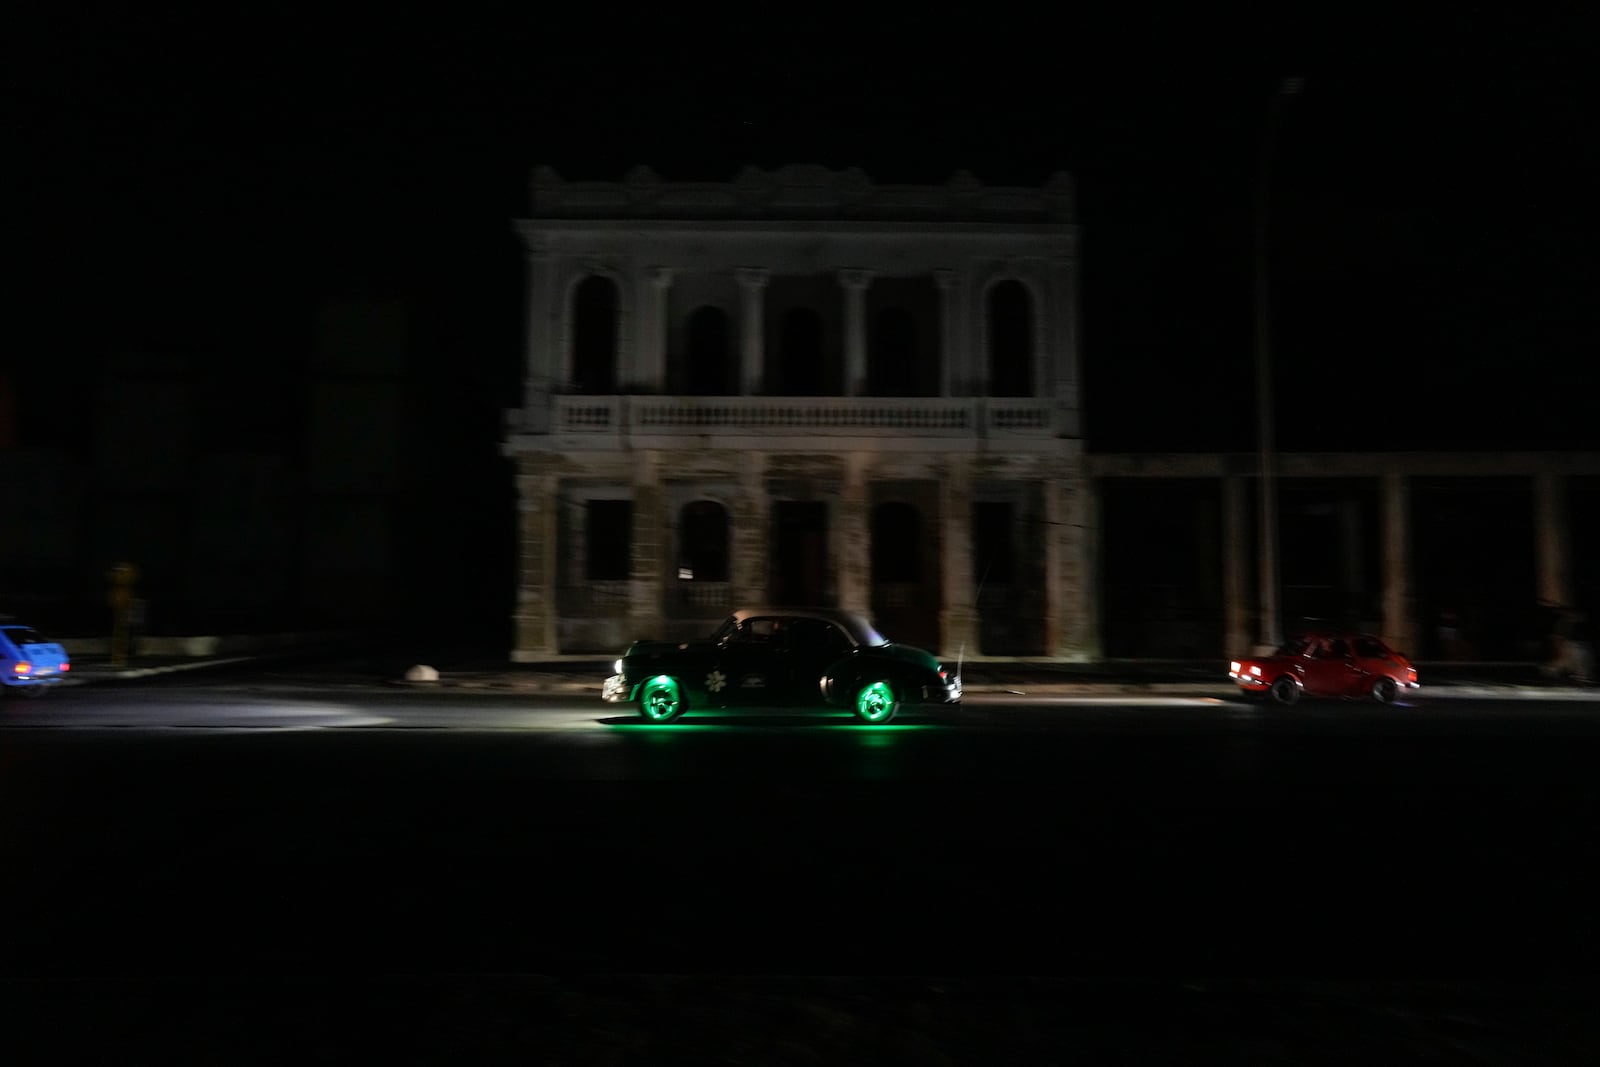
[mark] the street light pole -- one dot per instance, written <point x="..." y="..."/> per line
<point x="1270" y="634"/>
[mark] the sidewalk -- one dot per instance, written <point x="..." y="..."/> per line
<point x="1013" y="677"/>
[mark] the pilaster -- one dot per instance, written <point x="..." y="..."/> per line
<point x="651" y="529"/>
<point x="750" y="563"/>
<point x="538" y="514"/>
<point x="958" y="634"/>
<point x="1079" y="584"/>
<point x="752" y="287"/>
<point x="855" y="284"/>
<point x="1399" y="624"/>
<point x="1235" y="568"/>
<point x="653" y="350"/>
<point x="853" y="538"/>
<point x="945" y="281"/>
<point x="1551" y="538"/>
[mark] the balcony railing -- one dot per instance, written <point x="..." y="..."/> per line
<point x="806" y="416"/>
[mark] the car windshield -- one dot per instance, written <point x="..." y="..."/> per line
<point x="1295" y="646"/>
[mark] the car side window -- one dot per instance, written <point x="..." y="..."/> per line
<point x="816" y="636"/>
<point x="760" y="633"/>
<point x="1339" y="649"/>
<point x="1370" y="648"/>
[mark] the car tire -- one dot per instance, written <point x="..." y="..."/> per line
<point x="661" y="699"/>
<point x="1384" y="690"/>
<point x="875" y="703"/>
<point x="1284" y="691"/>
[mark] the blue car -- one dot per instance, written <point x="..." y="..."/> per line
<point x="30" y="663"/>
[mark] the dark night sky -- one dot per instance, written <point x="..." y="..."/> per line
<point x="199" y="182"/>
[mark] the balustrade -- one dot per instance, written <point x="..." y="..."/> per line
<point x="865" y="416"/>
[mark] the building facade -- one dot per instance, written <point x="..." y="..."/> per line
<point x="801" y="387"/>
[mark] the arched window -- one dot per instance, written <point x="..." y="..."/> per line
<point x="594" y="336"/>
<point x="800" y="354"/>
<point x="709" y="353"/>
<point x="1010" y="321"/>
<point x="892" y="359"/>
<point x="703" y="542"/>
<point x="896" y="543"/>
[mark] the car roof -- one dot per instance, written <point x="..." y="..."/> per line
<point x="856" y="624"/>
<point x="1346" y="634"/>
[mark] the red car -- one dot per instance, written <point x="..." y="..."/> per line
<point x="1327" y="664"/>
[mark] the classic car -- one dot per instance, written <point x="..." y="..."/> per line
<point x="1327" y="664"/>
<point x="30" y="663"/>
<point x="791" y="657"/>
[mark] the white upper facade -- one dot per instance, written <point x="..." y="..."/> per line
<point x="798" y="302"/>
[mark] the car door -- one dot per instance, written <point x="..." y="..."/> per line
<point x="750" y="667"/>
<point x="813" y="646"/>
<point x="1372" y="659"/>
<point x="1332" y="670"/>
<point x="1324" y="673"/>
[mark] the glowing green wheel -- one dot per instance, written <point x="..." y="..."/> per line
<point x="661" y="700"/>
<point x="875" y="702"/>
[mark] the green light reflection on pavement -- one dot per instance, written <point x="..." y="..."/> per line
<point x="876" y="732"/>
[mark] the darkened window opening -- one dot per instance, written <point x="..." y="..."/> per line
<point x="800" y="352"/>
<point x="1010" y="340"/>
<point x="594" y="336"/>
<point x="703" y="542"/>
<point x="892" y="366"/>
<point x="993" y="556"/>
<point x="610" y="540"/>
<point x="896" y="543"/>
<point x="709" y="352"/>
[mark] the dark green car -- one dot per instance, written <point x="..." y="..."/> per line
<point x="783" y="657"/>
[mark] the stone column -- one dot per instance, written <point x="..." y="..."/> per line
<point x="752" y="347"/>
<point x="1352" y="570"/>
<point x="1081" y="575"/>
<point x="1062" y="353"/>
<point x="958" y="632"/>
<point x="1072" y="629"/>
<point x="1236" y="626"/>
<point x="855" y="284"/>
<point x="853" y="537"/>
<point x="1056" y="626"/>
<point x="1399" y="627"/>
<point x="1551" y="537"/>
<point x="752" y="533"/>
<point x="946" y="282"/>
<point x="543" y="364"/>
<point x="653" y="354"/>
<point x="651" y="530"/>
<point x="538" y="515"/>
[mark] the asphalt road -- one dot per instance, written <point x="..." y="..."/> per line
<point x="230" y="843"/>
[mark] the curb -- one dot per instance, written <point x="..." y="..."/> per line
<point x="534" y="682"/>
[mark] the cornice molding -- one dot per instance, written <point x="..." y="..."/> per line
<point x="799" y="192"/>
